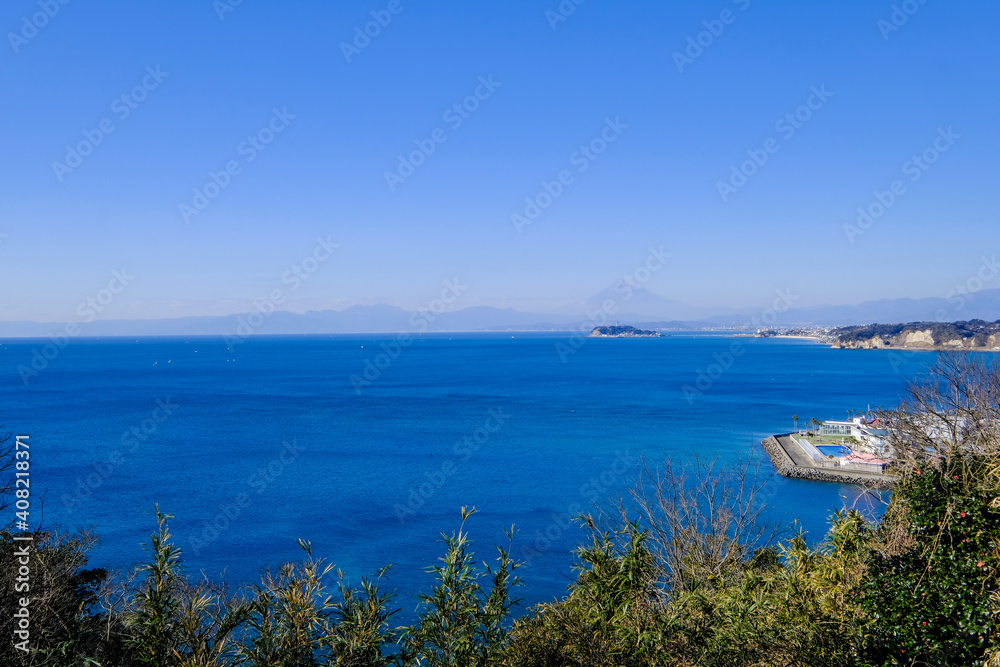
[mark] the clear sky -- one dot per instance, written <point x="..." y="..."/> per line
<point x="199" y="79"/>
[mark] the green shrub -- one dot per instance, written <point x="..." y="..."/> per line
<point x="462" y="624"/>
<point x="930" y="601"/>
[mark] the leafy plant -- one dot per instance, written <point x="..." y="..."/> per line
<point x="931" y="601"/>
<point x="461" y="624"/>
<point x="154" y="621"/>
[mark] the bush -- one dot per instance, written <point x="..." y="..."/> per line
<point x="931" y="601"/>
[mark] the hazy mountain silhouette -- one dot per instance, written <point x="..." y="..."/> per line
<point x="639" y="307"/>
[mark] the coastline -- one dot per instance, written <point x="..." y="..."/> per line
<point x="902" y="348"/>
<point x="787" y="467"/>
<point x="812" y="338"/>
<point x="906" y="348"/>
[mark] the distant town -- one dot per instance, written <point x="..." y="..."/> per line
<point x="965" y="335"/>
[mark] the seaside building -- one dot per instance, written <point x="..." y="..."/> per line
<point x="834" y="450"/>
<point x="870" y="435"/>
<point x="842" y="457"/>
<point x="841" y="428"/>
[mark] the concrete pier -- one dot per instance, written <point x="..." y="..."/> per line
<point x="791" y="461"/>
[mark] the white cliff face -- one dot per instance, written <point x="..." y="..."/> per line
<point x="918" y="339"/>
<point x="949" y="338"/>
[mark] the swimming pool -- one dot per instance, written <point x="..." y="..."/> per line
<point x="833" y="450"/>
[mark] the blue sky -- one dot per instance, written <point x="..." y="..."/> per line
<point x="555" y="86"/>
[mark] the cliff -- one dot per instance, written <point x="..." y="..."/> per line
<point x="971" y="335"/>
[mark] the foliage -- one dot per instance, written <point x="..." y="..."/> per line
<point x="361" y="627"/>
<point x="611" y="616"/>
<point x="931" y="602"/>
<point x="461" y="624"/>
<point x="154" y="621"/>
<point x="65" y="623"/>
<point x="787" y="606"/>
<point x="703" y="519"/>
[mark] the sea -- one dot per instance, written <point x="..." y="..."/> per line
<point x="369" y="446"/>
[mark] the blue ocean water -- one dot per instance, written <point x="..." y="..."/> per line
<point x="253" y="447"/>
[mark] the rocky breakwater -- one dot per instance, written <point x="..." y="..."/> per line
<point x="787" y="468"/>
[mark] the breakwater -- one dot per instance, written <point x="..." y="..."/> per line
<point x="787" y="466"/>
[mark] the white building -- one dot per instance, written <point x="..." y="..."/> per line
<point x="841" y="428"/>
<point x="870" y="436"/>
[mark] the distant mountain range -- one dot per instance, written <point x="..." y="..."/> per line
<point x="621" y="304"/>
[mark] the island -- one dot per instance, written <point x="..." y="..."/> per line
<point x="623" y="332"/>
